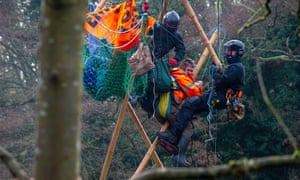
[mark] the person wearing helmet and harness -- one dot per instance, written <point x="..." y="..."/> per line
<point x="183" y="86"/>
<point x="232" y="77"/>
<point x="166" y="37"/>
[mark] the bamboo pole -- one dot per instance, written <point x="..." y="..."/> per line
<point x="208" y="50"/>
<point x="149" y="152"/>
<point x="205" y="54"/>
<point x="101" y="4"/>
<point x="192" y="15"/>
<point x="144" y="135"/>
<point x="163" y="10"/>
<point x="113" y="141"/>
<point x="154" y="144"/>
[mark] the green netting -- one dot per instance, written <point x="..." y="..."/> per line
<point x="107" y="74"/>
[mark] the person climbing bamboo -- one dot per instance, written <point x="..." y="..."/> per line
<point x="231" y="79"/>
<point x="183" y="86"/>
<point x="165" y="38"/>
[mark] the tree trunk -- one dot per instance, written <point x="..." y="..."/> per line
<point x="60" y="90"/>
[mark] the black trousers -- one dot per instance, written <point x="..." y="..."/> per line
<point x="195" y="105"/>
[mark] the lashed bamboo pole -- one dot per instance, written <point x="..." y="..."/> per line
<point x="163" y="10"/>
<point x="144" y="135"/>
<point x="113" y="141"/>
<point x="101" y="4"/>
<point x="192" y="15"/>
<point x="149" y="152"/>
<point x="205" y="54"/>
<point x="196" y="71"/>
<point x="153" y="146"/>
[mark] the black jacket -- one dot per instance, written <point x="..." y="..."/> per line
<point x="164" y="41"/>
<point x="232" y="77"/>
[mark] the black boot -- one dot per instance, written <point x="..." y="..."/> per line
<point x="169" y="135"/>
<point x="169" y="147"/>
<point x="180" y="159"/>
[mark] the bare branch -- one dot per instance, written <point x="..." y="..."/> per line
<point x="272" y="108"/>
<point x="12" y="164"/>
<point x="287" y="55"/>
<point x="266" y="12"/>
<point x="234" y="168"/>
<point x="280" y="57"/>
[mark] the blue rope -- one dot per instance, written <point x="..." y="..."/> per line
<point x="209" y="117"/>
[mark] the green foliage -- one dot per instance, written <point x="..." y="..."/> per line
<point x="259" y="134"/>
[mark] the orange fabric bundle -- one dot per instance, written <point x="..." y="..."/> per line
<point x="118" y="24"/>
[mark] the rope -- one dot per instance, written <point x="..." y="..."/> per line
<point x="212" y="115"/>
<point x="120" y="32"/>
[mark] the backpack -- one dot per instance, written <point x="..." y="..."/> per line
<point x="159" y="77"/>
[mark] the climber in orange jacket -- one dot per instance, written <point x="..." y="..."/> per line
<point x="185" y="85"/>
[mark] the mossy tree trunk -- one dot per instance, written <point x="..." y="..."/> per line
<point x="59" y="95"/>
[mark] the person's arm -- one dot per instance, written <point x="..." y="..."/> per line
<point x="227" y="76"/>
<point x="179" y="48"/>
<point x="188" y="86"/>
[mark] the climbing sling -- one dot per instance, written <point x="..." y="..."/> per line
<point x="236" y="110"/>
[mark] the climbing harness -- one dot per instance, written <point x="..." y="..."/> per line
<point x="236" y="110"/>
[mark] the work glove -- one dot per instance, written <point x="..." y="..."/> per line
<point x="173" y="62"/>
<point x="145" y="6"/>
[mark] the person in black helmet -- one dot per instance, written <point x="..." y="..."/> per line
<point x="166" y="37"/>
<point x="231" y="78"/>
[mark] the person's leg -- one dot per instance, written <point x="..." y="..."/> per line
<point x="173" y="148"/>
<point x="179" y="159"/>
<point x="169" y="147"/>
<point x="189" y="108"/>
<point x="183" y="143"/>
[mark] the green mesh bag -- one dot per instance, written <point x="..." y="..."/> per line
<point x="107" y="74"/>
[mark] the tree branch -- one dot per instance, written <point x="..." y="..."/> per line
<point x="233" y="168"/>
<point x="12" y="164"/>
<point x="273" y="109"/>
<point x="266" y="12"/>
<point x="280" y="57"/>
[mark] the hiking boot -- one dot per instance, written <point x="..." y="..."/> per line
<point x="169" y="147"/>
<point x="180" y="160"/>
<point x="168" y="136"/>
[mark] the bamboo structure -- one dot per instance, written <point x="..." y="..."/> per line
<point x="204" y="55"/>
<point x="151" y="147"/>
<point x="116" y="133"/>
<point x="205" y="40"/>
<point x="208" y="50"/>
<point x="113" y="141"/>
<point x="101" y="4"/>
<point x="163" y="10"/>
<point x="149" y="153"/>
<point x="144" y="135"/>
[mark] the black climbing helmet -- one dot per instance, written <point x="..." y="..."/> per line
<point x="171" y="20"/>
<point x="231" y="45"/>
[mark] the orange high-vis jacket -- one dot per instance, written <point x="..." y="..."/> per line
<point x="186" y="88"/>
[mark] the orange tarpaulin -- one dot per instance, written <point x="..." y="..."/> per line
<point x="120" y="24"/>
